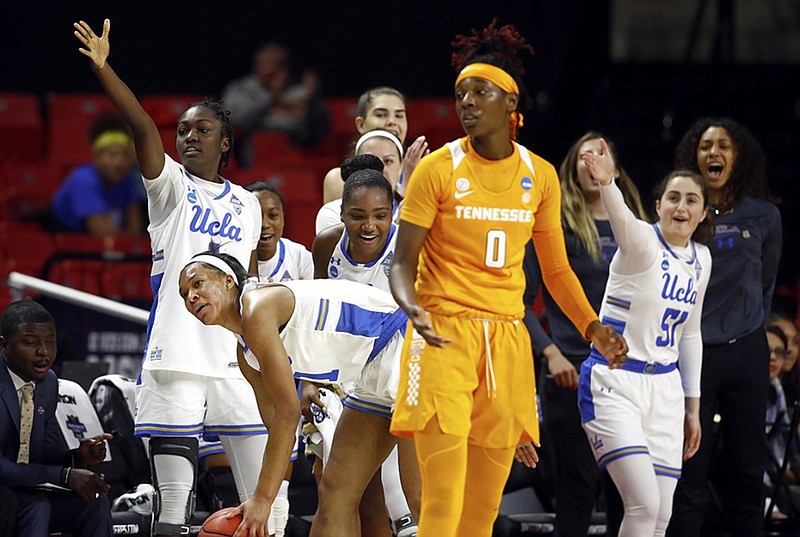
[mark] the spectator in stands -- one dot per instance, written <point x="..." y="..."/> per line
<point x="790" y="372"/>
<point x="270" y="98"/>
<point x="105" y="196"/>
<point x="31" y="456"/>
<point x="782" y="442"/>
<point x="381" y="108"/>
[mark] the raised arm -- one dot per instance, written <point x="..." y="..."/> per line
<point x="149" y="148"/>
<point x="627" y="228"/>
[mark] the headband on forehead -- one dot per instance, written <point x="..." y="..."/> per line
<point x="489" y="72"/>
<point x="379" y="133"/>
<point x="110" y="138"/>
<point x="215" y="262"/>
<point x="499" y="78"/>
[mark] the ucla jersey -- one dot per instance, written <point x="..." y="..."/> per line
<point x="376" y="273"/>
<point x="658" y="309"/>
<point x="336" y="327"/>
<point x="292" y="261"/>
<point x="187" y="216"/>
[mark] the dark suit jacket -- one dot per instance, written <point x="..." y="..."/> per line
<point x="47" y="455"/>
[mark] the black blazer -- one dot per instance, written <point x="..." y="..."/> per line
<point x="47" y="455"/>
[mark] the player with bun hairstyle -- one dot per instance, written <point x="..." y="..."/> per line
<point x="467" y="390"/>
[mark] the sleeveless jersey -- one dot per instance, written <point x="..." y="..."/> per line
<point x="375" y="273"/>
<point x="480" y="214"/>
<point x="292" y="261"/>
<point x="187" y="216"/>
<point x="336" y="327"/>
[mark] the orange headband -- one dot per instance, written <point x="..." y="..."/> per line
<point x="499" y="78"/>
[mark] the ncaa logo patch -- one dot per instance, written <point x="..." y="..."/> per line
<point x="526" y="183"/>
<point x="237" y="204"/>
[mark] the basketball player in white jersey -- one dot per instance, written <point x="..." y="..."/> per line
<point x="279" y="259"/>
<point x="642" y="419"/>
<point x="338" y="332"/>
<point x="361" y="250"/>
<point x="190" y="383"/>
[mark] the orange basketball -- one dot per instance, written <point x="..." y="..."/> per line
<point x="217" y="525"/>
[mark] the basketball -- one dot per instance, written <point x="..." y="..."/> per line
<point x="217" y="525"/>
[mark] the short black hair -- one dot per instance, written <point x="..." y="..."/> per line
<point x="366" y="179"/>
<point x="21" y="312"/>
<point x="262" y="186"/>
<point x="350" y="165"/>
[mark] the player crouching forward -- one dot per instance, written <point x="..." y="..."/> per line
<point x="319" y="330"/>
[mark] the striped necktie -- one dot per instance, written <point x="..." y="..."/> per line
<point x="25" y="423"/>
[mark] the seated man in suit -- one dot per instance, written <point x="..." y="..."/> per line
<point x="8" y="512"/>
<point x="30" y="452"/>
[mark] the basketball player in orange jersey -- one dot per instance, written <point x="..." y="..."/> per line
<point x="467" y="391"/>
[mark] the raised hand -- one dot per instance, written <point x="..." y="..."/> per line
<point x="96" y="48"/>
<point x="415" y="152"/>
<point x="600" y="165"/>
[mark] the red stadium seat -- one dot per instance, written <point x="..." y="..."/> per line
<point x="80" y="243"/>
<point x="131" y="244"/>
<point x="435" y="118"/>
<point x="22" y="131"/>
<point x="83" y="275"/>
<point x="25" y="243"/>
<point x="41" y="174"/>
<point x="343" y="112"/>
<point x="166" y="109"/>
<point x="70" y="117"/>
<point x="127" y="281"/>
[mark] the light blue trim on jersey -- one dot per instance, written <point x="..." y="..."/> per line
<point x="616" y="454"/>
<point x="585" y="399"/>
<point x="669" y="248"/>
<point x="213" y="432"/>
<point x="343" y="246"/>
<point x="667" y="471"/>
<point x="332" y="375"/>
<point x="210" y="449"/>
<point x="618" y="302"/>
<point x="161" y="429"/>
<point x="155" y="285"/>
<point x="367" y="406"/>
<point x="322" y="315"/>
<point x="225" y="190"/>
<point x="359" y="321"/>
<point x="397" y="322"/>
<point x="281" y="257"/>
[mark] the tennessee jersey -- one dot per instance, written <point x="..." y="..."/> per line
<point x="480" y="214"/>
